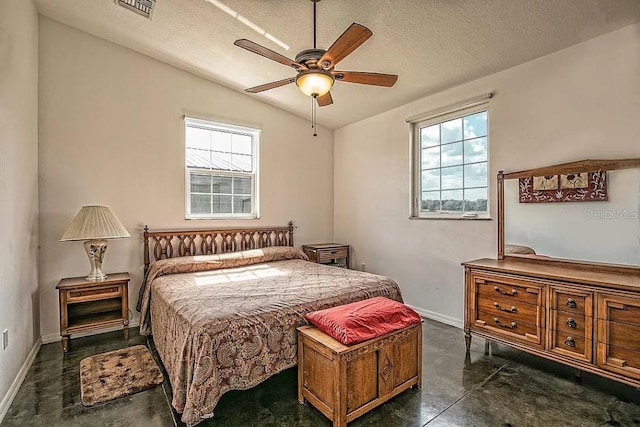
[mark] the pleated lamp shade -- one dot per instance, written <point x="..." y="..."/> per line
<point x="95" y="222"/>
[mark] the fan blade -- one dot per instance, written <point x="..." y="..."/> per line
<point x="271" y="85"/>
<point x="268" y="53"/>
<point x="375" y="79"/>
<point x="325" y="100"/>
<point x="349" y="41"/>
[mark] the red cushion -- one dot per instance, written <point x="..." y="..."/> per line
<point x="363" y="320"/>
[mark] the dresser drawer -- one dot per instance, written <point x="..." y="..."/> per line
<point x="580" y="303"/>
<point x="324" y="255"/>
<point x="572" y="324"/>
<point x="620" y="360"/>
<point x="623" y="335"/>
<point x="93" y="294"/>
<point x="571" y="345"/>
<point x="508" y="326"/>
<point x="617" y="321"/>
<point x="624" y="312"/>
<point x="504" y="306"/>
<point x="516" y="289"/>
<point x="618" y="332"/>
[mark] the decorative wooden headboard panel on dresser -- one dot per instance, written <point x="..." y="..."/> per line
<point x="581" y="313"/>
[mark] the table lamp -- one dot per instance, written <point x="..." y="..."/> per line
<point x="95" y="224"/>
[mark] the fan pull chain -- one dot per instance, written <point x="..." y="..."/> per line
<point x="314" y="115"/>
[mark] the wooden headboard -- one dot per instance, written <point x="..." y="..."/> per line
<point x="176" y="243"/>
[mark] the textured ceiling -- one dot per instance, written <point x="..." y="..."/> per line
<point x="431" y="44"/>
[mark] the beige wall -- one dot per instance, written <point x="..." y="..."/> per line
<point x="111" y="133"/>
<point x="582" y="102"/>
<point x="19" y="311"/>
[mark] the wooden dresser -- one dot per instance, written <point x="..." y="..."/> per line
<point x="581" y="313"/>
<point x="586" y="316"/>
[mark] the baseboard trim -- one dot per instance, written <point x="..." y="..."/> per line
<point x="442" y="318"/>
<point x="15" y="386"/>
<point x="51" y="338"/>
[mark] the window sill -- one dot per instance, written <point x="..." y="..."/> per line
<point x="225" y="217"/>
<point x="439" y="217"/>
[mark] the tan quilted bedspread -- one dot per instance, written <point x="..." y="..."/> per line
<point x="232" y="328"/>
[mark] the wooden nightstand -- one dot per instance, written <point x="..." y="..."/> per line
<point x="89" y="304"/>
<point x="335" y="254"/>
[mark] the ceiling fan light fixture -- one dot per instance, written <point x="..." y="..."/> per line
<point x="315" y="67"/>
<point x="315" y="82"/>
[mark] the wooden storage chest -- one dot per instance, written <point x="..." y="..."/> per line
<point x="344" y="382"/>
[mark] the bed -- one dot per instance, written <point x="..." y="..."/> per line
<point x="223" y="306"/>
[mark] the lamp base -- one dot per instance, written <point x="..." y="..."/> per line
<point x="95" y="251"/>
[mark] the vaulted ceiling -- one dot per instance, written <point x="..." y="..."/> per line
<point x="431" y="44"/>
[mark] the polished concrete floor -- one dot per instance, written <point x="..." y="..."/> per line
<point x="504" y="388"/>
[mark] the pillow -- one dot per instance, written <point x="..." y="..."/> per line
<point x="363" y="320"/>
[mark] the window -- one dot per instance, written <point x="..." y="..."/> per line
<point x="221" y="170"/>
<point x="450" y="165"/>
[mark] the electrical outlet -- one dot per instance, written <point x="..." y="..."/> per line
<point x="363" y="267"/>
<point x="5" y="339"/>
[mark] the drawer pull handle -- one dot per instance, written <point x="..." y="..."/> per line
<point x="570" y="342"/>
<point x="513" y="309"/>
<point x="571" y="323"/>
<point x="571" y="303"/>
<point x="513" y="325"/>
<point x="513" y="291"/>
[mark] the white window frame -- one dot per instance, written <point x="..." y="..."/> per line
<point x="255" y="193"/>
<point x="425" y="120"/>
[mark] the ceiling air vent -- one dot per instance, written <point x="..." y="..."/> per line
<point x="141" y="7"/>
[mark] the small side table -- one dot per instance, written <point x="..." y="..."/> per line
<point x="93" y="304"/>
<point x="335" y="254"/>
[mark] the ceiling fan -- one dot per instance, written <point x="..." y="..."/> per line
<point x="315" y="67"/>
